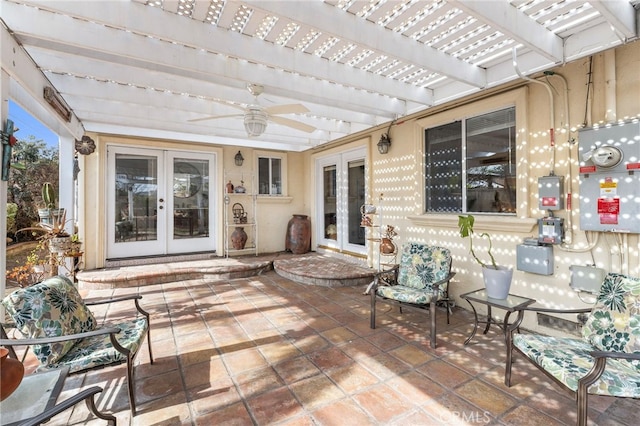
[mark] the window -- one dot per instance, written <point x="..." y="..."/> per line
<point x="470" y="165"/>
<point x="270" y="175"/>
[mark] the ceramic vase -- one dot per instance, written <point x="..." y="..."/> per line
<point x="387" y="246"/>
<point x="298" y="238"/>
<point x="11" y="371"/>
<point x="238" y="238"/>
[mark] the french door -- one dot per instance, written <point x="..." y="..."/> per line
<point x="341" y="191"/>
<point x="159" y="202"/>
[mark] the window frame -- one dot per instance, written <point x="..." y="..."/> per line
<point x="517" y="98"/>
<point x="282" y="156"/>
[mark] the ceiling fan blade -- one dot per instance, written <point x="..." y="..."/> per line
<point x="214" y="117"/>
<point x="292" y="123"/>
<point x="286" y="109"/>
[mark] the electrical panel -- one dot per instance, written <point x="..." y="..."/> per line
<point x="533" y="258"/>
<point x="550" y="230"/>
<point x="610" y="178"/>
<point x="551" y="193"/>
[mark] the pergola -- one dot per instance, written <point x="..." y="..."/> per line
<point x="312" y="71"/>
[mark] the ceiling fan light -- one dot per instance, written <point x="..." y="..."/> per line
<point x="255" y="121"/>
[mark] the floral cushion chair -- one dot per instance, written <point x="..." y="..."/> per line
<point x="420" y="281"/>
<point x="63" y="332"/>
<point x="606" y="361"/>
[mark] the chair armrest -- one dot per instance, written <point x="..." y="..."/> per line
<point x="86" y="395"/>
<point x="437" y="284"/>
<point x="56" y="339"/>
<point x="618" y="355"/>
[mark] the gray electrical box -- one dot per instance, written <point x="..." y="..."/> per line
<point x="535" y="259"/>
<point x="551" y="193"/>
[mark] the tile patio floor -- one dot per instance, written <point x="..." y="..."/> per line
<point x="268" y="351"/>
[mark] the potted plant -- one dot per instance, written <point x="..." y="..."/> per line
<point x="50" y="211"/>
<point x="497" y="279"/>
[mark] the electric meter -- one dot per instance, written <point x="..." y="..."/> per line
<point x="607" y="156"/>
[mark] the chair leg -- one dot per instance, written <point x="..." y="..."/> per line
<point x="373" y="309"/>
<point x="432" y="314"/>
<point x="131" y="385"/>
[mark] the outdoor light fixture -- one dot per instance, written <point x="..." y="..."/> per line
<point x="57" y="103"/>
<point x="385" y="140"/>
<point x="255" y="120"/>
<point x="239" y="159"/>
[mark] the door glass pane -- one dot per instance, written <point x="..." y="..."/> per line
<point x="136" y="197"/>
<point x="190" y="198"/>
<point x="330" y="204"/>
<point x="356" y="199"/>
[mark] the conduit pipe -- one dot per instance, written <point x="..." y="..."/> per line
<point x="551" y="109"/>
<point x="611" y="112"/>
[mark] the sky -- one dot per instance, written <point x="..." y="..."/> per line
<point x="29" y="126"/>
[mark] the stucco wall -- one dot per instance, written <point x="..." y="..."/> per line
<point x="399" y="175"/>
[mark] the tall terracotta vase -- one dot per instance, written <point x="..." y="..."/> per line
<point x="11" y="371"/>
<point x="238" y="238"/>
<point x="298" y="239"/>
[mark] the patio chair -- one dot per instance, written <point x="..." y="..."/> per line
<point x="605" y="361"/>
<point x="418" y="282"/>
<point x="57" y="323"/>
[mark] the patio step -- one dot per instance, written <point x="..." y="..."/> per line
<point x="141" y="275"/>
<point x="326" y="271"/>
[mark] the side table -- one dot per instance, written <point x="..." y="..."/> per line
<point x="511" y="304"/>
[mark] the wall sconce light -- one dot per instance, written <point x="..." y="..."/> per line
<point x="385" y="140"/>
<point x="239" y="159"/>
<point x="57" y="103"/>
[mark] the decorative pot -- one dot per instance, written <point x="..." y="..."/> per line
<point x="60" y="244"/>
<point x="11" y="372"/>
<point x="229" y="187"/>
<point x="298" y="238"/>
<point x="387" y="246"/>
<point x="238" y="238"/>
<point x="497" y="281"/>
<point x="47" y="215"/>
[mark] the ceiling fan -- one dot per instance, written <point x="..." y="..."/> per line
<point x="256" y="116"/>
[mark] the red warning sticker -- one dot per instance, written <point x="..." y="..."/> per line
<point x="549" y="202"/>
<point x="609" y="206"/>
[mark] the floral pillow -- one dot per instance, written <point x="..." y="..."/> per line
<point x="421" y="265"/>
<point x="51" y="308"/>
<point x="614" y="322"/>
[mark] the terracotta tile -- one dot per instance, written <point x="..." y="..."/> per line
<point x="292" y="370"/>
<point x="257" y="381"/>
<point x="204" y="373"/>
<point x="468" y="362"/>
<point x="452" y="410"/>
<point x="344" y="413"/>
<point x="278" y="351"/>
<point x="311" y="343"/>
<point x="159" y="386"/>
<point x="444" y="373"/>
<point x="486" y="397"/>
<point x="385" y="340"/>
<point x="213" y="396"/>
<point x="411" y="355"/>
<point x="316" y="391"/>
<point x="274" y="406"/>
<point x="329" y="358"/>
<point x="384" y="366"/>
<point x="382" y="403"/>
<point x="352" y="377"/>
<point x="233" y="415"/>
<point x="339" y="335"/>
<point x="524" y="415"/>
<point x="360" y="348"/>
<point x="243" y="360"/>
<point x="166" y="411"/>
<point x="416" y="388"/>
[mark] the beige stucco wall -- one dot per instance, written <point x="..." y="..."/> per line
<point x="399" y="176"/>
